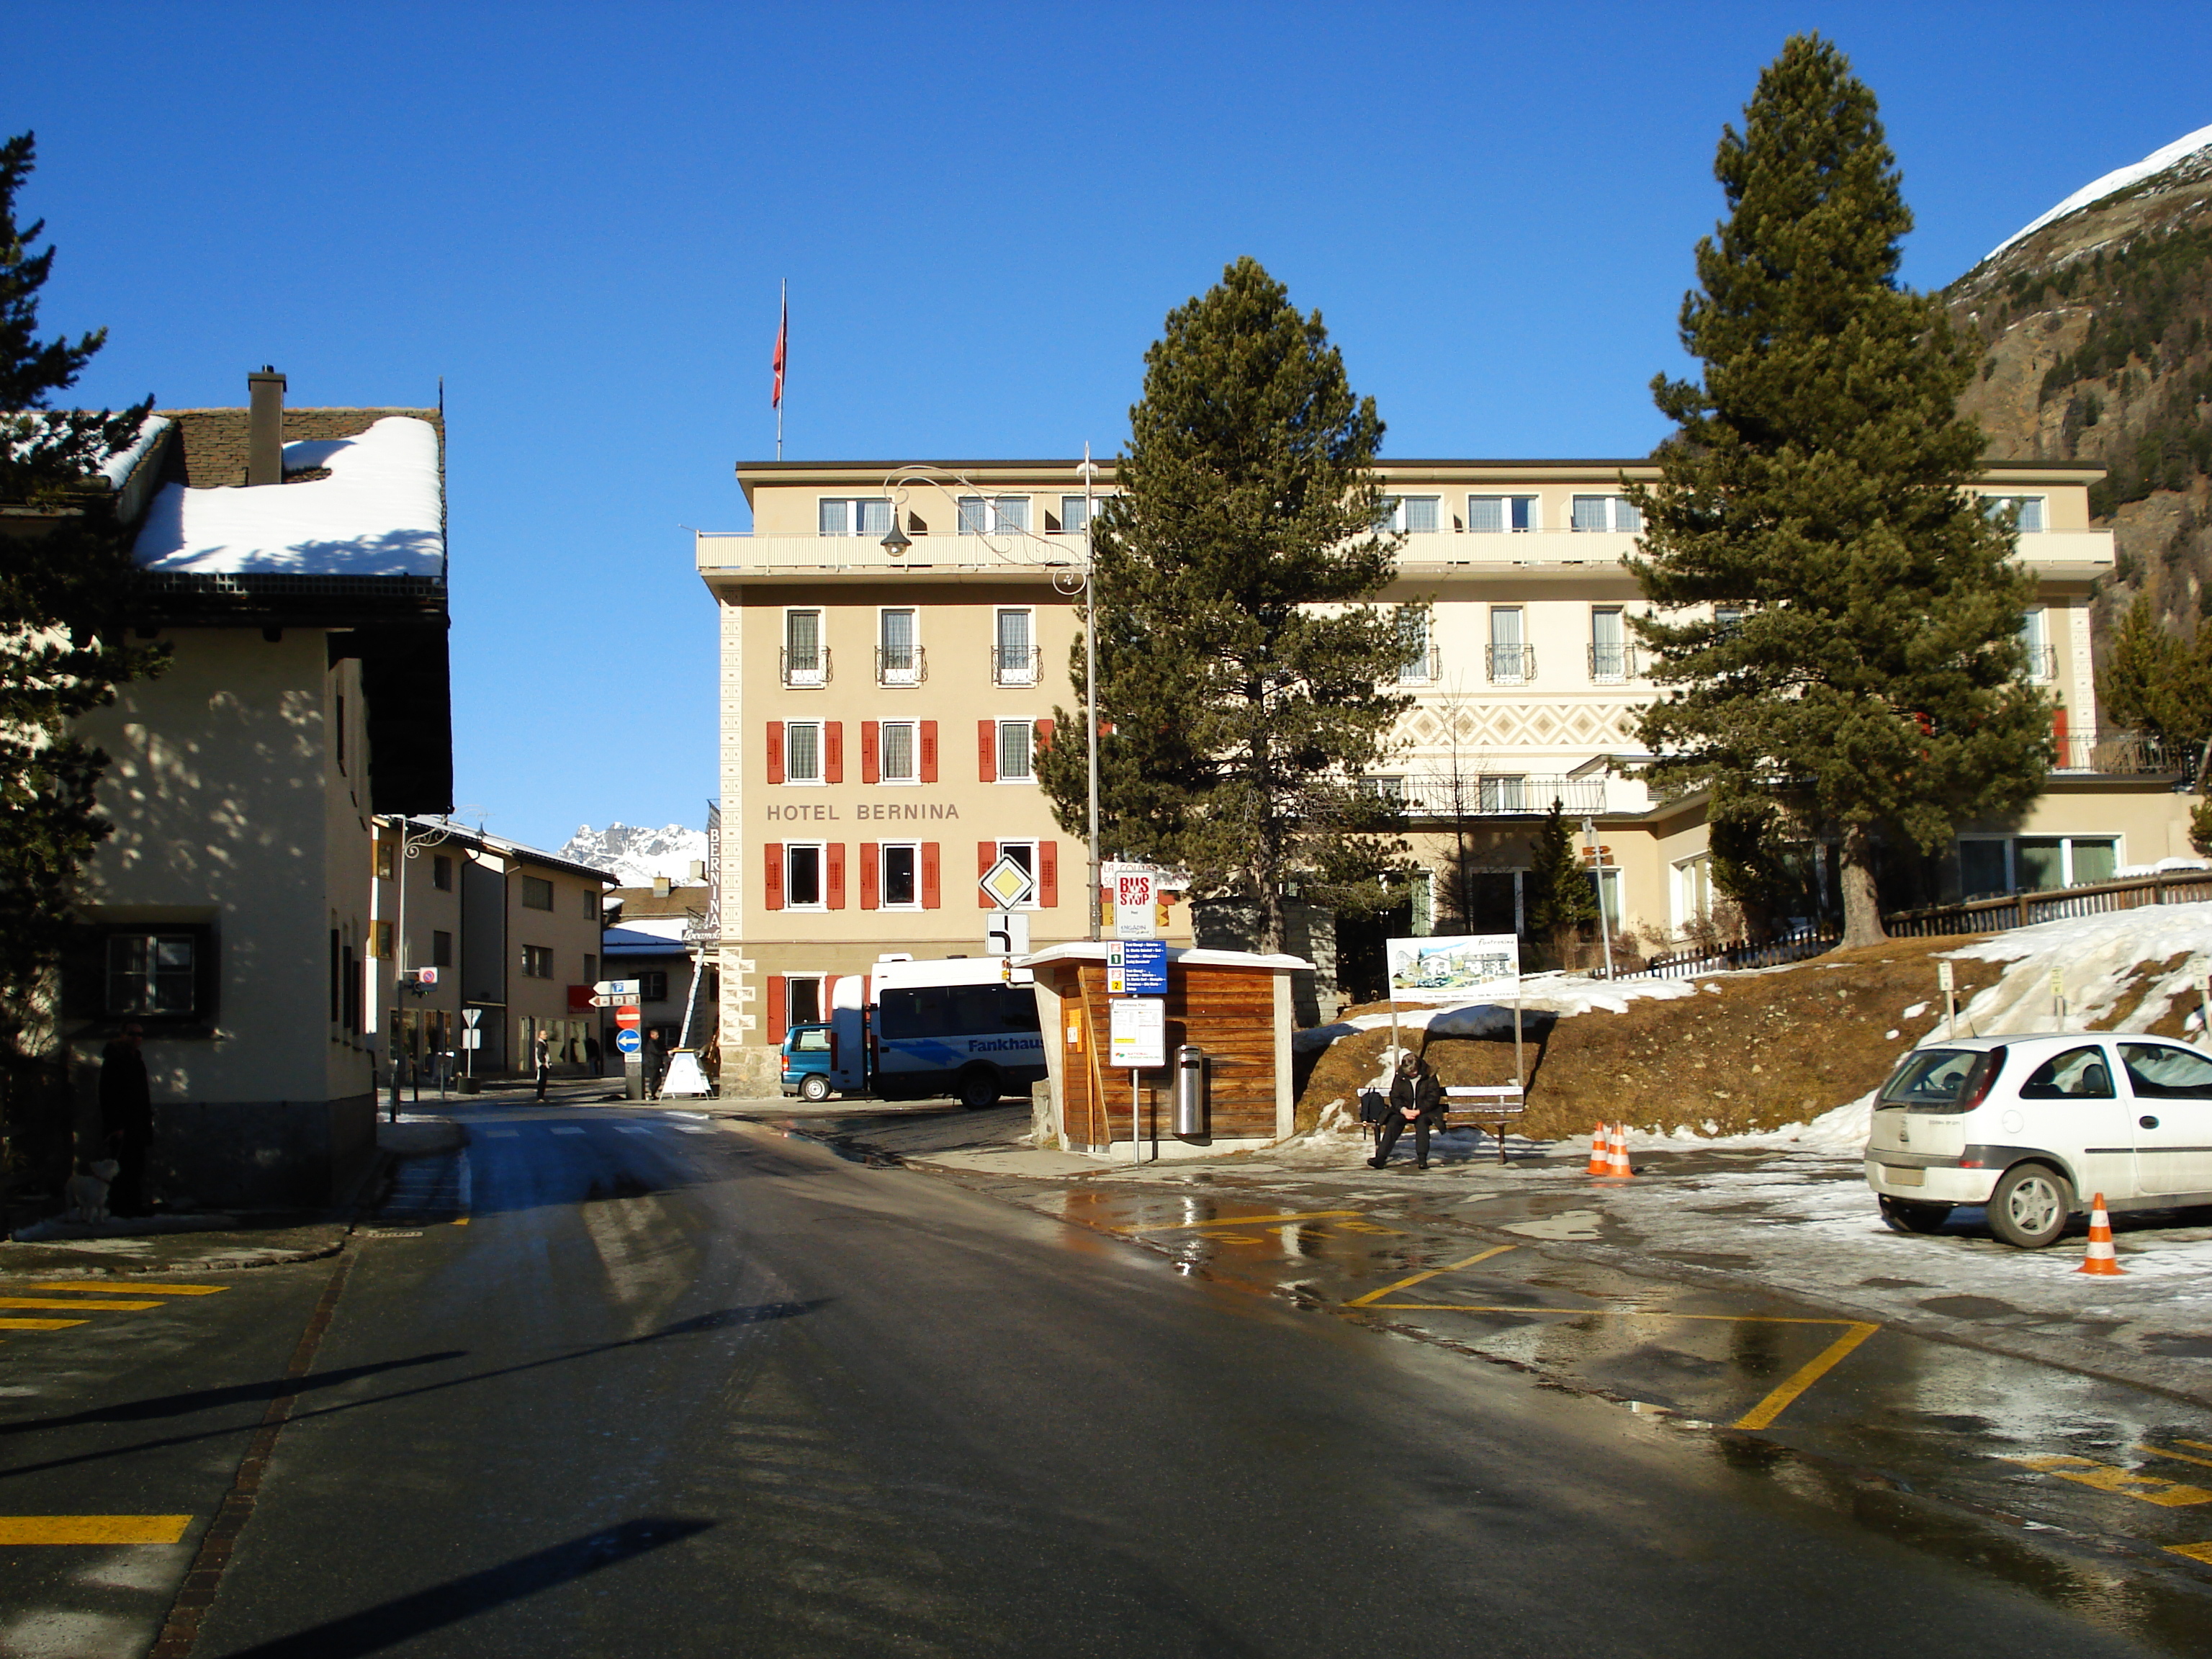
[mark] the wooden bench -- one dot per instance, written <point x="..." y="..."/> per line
<point x="1505" y="1102"/>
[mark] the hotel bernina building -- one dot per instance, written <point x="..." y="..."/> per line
<point x="881" y="708"/>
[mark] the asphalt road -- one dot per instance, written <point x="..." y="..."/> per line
<point x="619" y="1382"/>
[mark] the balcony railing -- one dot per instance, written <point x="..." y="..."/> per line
<point x="1610" y="664"/>
<point x="2118" y="754"/>
<point x="1010" y="666"/>
<point x="1479" y="794"/>
<point x="804" y="667"/>
<point x="1509" y="664"/>
<point x="2042" y="664"/>
<point x="900" y="665"/>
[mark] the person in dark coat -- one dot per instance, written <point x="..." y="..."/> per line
<point x="1417" y="1099"/>
<point x="126" y="1119"/>
<point x="592" y="1054"/>
<point x="541" y="1061"/>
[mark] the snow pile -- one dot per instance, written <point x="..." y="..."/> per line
<point x="2095" y="958"/>
<point x="2113" y="182"/>
<point x="381" y="512"/>
<point x="636" y="854"/>
<point x="22" y="428"/>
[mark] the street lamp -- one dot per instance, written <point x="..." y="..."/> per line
<point x="895" y="542"/>
<point x="407" y="849"/>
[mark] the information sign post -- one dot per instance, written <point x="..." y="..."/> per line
<point x="1137" y="1037"/>
<point x="621" y="995"/>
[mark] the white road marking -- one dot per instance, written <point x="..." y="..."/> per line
<point x="631" y="1129"/>
<point x="566" y="1129"/>
<point x="501" y="1134"/>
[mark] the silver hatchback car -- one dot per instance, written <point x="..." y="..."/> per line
<point x="2033" y="1127"/>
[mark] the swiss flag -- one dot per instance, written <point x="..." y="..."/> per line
<point x="783" y="338"/>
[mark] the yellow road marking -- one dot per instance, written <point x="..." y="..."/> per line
<point x="93" y="1528"/>
<point x="463" y="1222"/>
<point x="74" y="1307"/>
<point x="40" y="1324"/>
<point x="2161" y="1451"/>
<point x="2200" y="1445"/>
<point x="1498" y="1249"/>
<point x="2194" y="1552"/>
<point x="1243" y="1221"/>
<point x="132" y="1287"/>
<point x="1775" y="1404"/>
<point x="2167" y="1494"/>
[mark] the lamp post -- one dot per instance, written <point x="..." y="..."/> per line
<point x="409" y="848"/>
<point x="895" y="542"/>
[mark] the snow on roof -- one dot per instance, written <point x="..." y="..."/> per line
<point x="2118" y="180"/>
<point x="379" y="513"/>
<point x="116" y="468"/>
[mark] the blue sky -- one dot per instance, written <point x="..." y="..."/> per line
<point x="578" y="216"/>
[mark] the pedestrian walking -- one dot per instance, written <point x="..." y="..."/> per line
<point x="126" y="1119"/>
<point x="592" y="1054"/>
<point x="541" y="1061"/>
<point x="1417" y="1101"/>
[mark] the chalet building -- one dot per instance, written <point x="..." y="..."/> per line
<point x="294" y="563"/>
<point x="883" y="695"/>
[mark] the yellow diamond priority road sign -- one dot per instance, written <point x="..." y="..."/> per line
<point x="1006" y="884"/>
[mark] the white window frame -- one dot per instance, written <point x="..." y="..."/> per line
<point x="999" y="753"/>
<point x="821" y="851"/>
<point x="910" y="675"/>
<point x="819" y="674"/>
<point x="1617" y="513"/>
<point x="1034" y="900"/>
<point x="912" y="729"/>
<point x="2065" y="839"/>
<point x="988" y="515"/>
<point x="1419" y="665"/>
<point x="2036" y="506"/>
<point x="1625" y="646"/>
<point x="820" y="981"/>
<point x="1030" y="672"/>
<point x="1506" y="504"/>
<point x="1395" y="515"/>
<point x="845" y="512"/>
<point x="1501" y="792"/>
<point x="790" y="750"/>
<point x="1525" y="653"/>
<point x="883" y="874"/>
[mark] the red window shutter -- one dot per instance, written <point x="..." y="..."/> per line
<point x="1043" y="735"/>
<point x="775" y="751"/>
<point x="1048" y="871"/>
<point x="2059" y="731"/>
<point x="836" y="875"/>
<point x="773" y="892"/>
<point x="986" y="854"/>
<point x="833" y="751"/>
<point x="987" y="750"/>
<point x="870" y="871"/>
<point x="776" y="1023"/>
<point x="871" y="751"/>
<point x="930" y="900"/>
<point x="929" y="751"/>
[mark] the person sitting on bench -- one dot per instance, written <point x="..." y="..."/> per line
<point x="1417" y="1097"/>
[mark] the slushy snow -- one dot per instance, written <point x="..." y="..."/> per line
<point x="381" y="512"/>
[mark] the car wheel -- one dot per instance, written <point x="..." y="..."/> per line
<point x="1908" y="1216"/>
<point x="2030" y="1207"/>
<point x="814" y="1086"/>
<point x="979" y="1087"/>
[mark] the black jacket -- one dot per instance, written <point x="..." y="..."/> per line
<point x="1424" y="1094"/>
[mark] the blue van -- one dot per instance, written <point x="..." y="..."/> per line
<point x="805" y="1070"/>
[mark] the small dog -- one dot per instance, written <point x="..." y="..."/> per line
<point x="87" y="1192"/>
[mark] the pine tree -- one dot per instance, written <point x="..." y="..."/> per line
<point x="2154" y="683"/>
<point x="63" y="647"/>
<point x="1559" y="892"/>
<point x="1242" y="667"/>
<point x="1870" y="675"/>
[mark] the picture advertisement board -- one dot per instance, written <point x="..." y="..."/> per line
<point x="1453" y="968"/>
<point x="1137" y="1035"/>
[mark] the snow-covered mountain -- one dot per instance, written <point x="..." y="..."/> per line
<point x="637" y="855"/>
<point x="2114" y="182"/>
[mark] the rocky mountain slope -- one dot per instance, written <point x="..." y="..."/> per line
<point x="637" y="855"/>
<point x="2096" y="324"/>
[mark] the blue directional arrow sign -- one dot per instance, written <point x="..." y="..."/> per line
<point x="628" y="1041"/>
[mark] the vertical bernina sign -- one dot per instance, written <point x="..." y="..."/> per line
<point x="714" y="872"/>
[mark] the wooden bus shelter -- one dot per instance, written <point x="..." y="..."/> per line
<point x="1233" y="1005"/>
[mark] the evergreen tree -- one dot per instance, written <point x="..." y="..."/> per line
<point x="1815" y="488"/>
<point x="63" y="648"/>
<point x="1241" y="666"/>
<point x="2154" y="683"/>
<point x="1559" y="893"/>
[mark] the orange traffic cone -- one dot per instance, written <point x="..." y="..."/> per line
<point x="1617" y="1165"/>
<point x="2102" y="1258"/>
<point x="1601" y="1162"/>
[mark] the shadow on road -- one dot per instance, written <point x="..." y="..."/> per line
<point x="177" y="1405"/>
<point x="390" y="1622"/>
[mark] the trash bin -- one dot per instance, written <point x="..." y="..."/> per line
<point x="1190" y="1089"/>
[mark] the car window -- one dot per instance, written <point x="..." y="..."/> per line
<point x="812" y="1042"/>
<point x="2077" y="1074"/>
<point x="2156" y="1071"/>
<point x="1932" y="1077"/>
